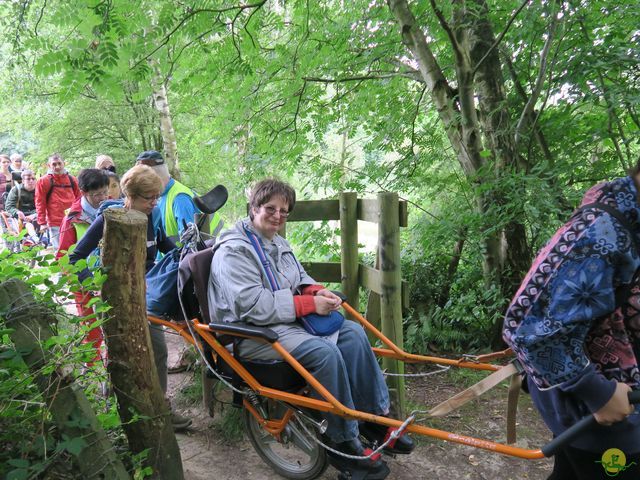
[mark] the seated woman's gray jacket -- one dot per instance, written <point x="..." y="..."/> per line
<point x="239" y="290"/>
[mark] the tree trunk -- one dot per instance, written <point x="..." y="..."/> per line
<point x="67" y="403"/>
<point x="443" y="296"/>
<point x="141" y="403"/>
<point x="476" y="121"/>
<point x="161" y="102"/>
<point x="513" y="254"/>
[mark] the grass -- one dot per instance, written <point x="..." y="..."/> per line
<point x="231" y="425"/>
<point x="465" y="377"/>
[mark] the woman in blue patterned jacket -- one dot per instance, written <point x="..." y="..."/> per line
<point x="575" y="325"/>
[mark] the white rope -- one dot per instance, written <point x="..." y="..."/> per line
<point x="442" y="369"/>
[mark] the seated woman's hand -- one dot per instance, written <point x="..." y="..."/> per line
<point x="329" y="294"/>
<point x="325" y="305"/>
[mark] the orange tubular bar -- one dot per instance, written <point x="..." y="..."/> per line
<point x="181" y="327"/>
<point x="332" y="405"/>
<point x="274" y="427"/>
<point x="399" y="354"/>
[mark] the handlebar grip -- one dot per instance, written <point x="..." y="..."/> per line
<point x="576" y="429"/>
<point x="568" y="435"/>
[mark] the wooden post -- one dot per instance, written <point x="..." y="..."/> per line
<point x="391" y="290"/>
<point x="69" y="407"/>
<point x="349" y="247"/>
<point x="141" y="403"/>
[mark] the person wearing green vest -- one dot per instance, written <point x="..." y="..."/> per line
<point x="176" y="202"/>
<point x="177" y="210"/>
<point x="94" y="186"/>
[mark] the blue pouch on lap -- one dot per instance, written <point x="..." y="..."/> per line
<point x="322" y="325"/>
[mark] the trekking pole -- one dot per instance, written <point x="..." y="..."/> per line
<point x="577" y="429"/>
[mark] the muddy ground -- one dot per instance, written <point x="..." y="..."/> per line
<point x="208" y="454"/>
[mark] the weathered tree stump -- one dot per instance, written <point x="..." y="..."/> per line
<point x="69" y="407"/>
<point x="141" y="403"/>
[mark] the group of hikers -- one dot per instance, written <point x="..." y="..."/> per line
<point x="68" y="209"/>
<point x="40" y="205"/>
<point x="574" y="324"/>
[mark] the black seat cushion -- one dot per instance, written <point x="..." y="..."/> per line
<point x="277" y="374"/>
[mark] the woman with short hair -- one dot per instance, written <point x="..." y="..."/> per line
<point x="142" y="188"/>
<point x="240" y="290"/>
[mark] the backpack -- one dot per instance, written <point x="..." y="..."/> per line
<point x="72" y="185"/>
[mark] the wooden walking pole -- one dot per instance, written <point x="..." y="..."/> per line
<point x="67" y="403"/>
<point x="349" y="247"/>
<point x="141" y="402"/>
<point x="391" y="287"/>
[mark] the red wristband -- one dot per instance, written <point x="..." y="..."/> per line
<point x="304" y="305"/>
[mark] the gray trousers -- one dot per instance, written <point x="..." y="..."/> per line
<point x="160" y="353"/>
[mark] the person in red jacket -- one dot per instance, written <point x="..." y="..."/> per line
<point x="94" y="186"/>
<point x="55" y="192"/>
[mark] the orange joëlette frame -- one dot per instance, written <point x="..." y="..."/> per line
<point x="330" y="404"/>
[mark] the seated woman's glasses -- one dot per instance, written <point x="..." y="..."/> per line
<point x="272" y="211"/>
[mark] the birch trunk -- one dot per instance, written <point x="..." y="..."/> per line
<point x="161" y="102"/>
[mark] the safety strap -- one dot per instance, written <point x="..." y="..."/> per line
<point x="266" y="264"/>
<point x="474" y="390"/>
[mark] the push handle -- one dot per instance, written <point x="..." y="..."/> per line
<point x="577" y="429"/>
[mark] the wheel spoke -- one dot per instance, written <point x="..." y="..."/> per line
<point x="301" y="439"/>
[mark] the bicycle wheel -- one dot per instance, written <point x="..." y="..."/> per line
<point x="296" y="455"/>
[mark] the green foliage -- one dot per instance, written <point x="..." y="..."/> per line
<point x="30" y="442"/>
<point x="315" y="241"/>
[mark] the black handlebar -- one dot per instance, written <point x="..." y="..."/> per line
<point x="577" y="429"/>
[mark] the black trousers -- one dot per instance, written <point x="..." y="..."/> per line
<point x="575" y="464"/>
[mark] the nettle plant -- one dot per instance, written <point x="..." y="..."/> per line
<point x="30" y="443"/>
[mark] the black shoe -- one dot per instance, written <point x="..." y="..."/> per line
<point x="373" y="467"/>
<point x="376" y="433"/>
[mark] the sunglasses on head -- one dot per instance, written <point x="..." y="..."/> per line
<point x="111" y="168"/>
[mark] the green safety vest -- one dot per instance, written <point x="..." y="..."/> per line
<point x="170" y="222"/>
<point x="81" y="228"/>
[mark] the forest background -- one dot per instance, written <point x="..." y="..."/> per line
<point x="491" y="118"/>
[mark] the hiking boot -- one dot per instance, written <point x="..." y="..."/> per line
<point x="186" y="362"/>
<point x="378" y="434"/>
<point x="179" y="422"/>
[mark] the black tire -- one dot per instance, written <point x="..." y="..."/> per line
<point x="297" y="456"/>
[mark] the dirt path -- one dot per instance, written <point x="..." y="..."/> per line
<point x="206" y="455"/>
